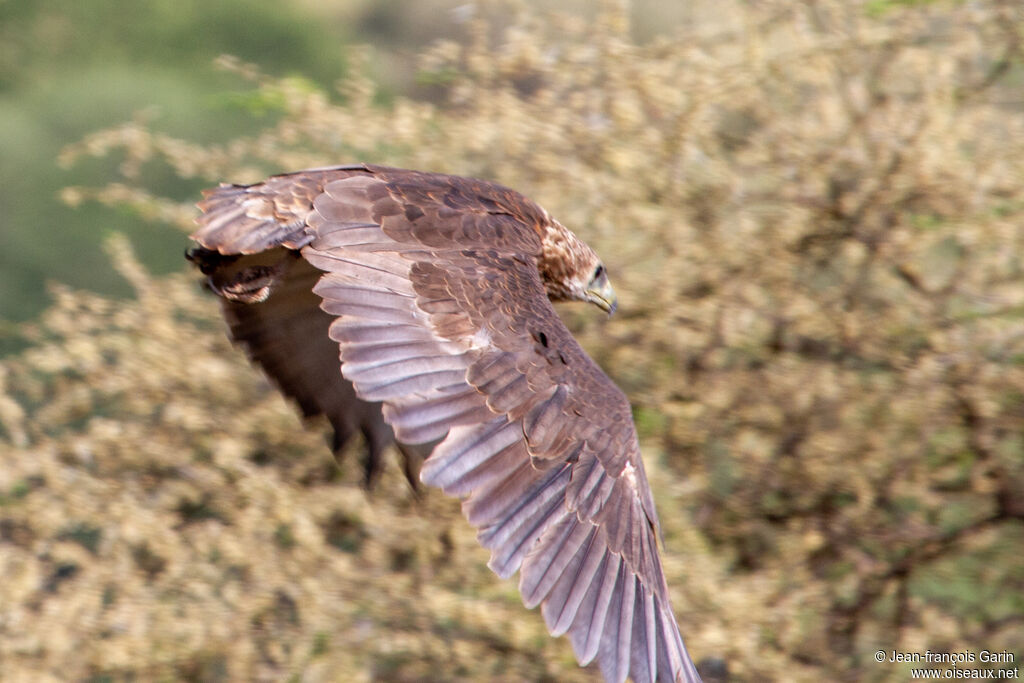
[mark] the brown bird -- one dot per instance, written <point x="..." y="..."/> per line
<point x="436" y="291"/>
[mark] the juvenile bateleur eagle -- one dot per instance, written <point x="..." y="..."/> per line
<point x="435" y="292"/>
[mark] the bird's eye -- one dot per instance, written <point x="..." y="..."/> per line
<point x="598" y="272"/>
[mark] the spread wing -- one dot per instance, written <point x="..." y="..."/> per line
<point x="440" y="314"/>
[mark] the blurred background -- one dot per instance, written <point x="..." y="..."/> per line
<point x="813" y="213"/>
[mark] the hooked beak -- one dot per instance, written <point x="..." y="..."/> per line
<point x="602" y="295"/>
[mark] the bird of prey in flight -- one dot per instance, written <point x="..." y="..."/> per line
<point x="432" y="295"/>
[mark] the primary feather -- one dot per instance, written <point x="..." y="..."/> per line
<point x="434" y="293"/>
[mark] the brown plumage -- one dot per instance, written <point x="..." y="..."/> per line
<point x="437" y="290"/>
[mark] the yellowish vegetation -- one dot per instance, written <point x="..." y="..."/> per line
<point x="813" y="213"/>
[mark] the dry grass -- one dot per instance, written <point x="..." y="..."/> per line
<point x="812" y="212"/>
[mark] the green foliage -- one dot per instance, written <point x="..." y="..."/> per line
<point x="877" y="8"/>
<point x="814" y="226"/>
<point x="85" y="535"/>
<point x="51" y="35"/>
<point x="67" y="68"/>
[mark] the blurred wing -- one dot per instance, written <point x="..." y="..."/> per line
<point x="286" y="334"/>
<point x="440" y="313"/>
<point x="268" y="302"/>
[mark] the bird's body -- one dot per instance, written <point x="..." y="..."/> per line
<point x="436" y="292"/>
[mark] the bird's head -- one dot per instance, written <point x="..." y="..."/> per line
<point x="572" y="271"/>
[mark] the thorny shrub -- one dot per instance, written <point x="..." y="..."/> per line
<point x="814" y="215"/>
